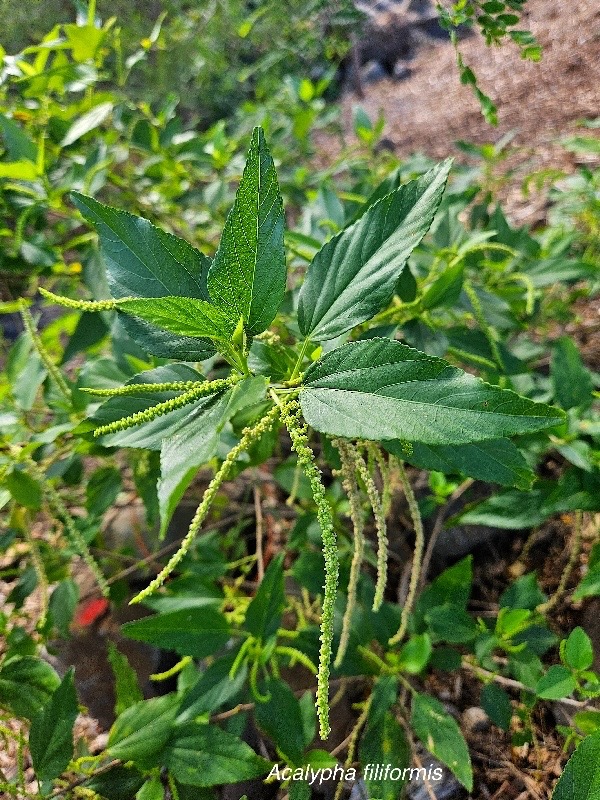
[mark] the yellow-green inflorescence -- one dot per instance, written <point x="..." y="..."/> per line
<point x="290" y="416"/>
<point x="200" y="389"/>
<point x="249" y="436"/>
<point x="356" y="515"/>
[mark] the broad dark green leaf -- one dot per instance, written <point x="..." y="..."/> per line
<point x="26" y="684"/>
<point x="450" y="623"/>
<point x="381" y="389"/>
<point x="496" y="704"/>
<point x="263" y="616"/>
<point x="51" y="734"/>
<point x="578" y="649"/>
<point x="281" y="719"/>
<point x="442" y="737"/>
<point x="572" y="382"/>
<point x="102" y="489"/>
<point x="452" y="587"/>
<point x="127" y="689"/>
<point x="144" y="261"/>
<point x="150" y="435"/>
<point x="557" y="683"/>
<point x="17" y="143"/>
<point x="141" y="732"/>
<point x="118" y="783"/>
<point x="247" y="277"/>
<point x="204" y="755"/>
<point x="581" y="777"/>
<point x="61" y="607"/>
<point x="197" y="632"/>
<point x="353" y="276"/>
<point x="195" y="442"/>
<point x="213" y="689"/>
<point x="25" y="490"/>
<point x="495" y="461"/>
<point x="384" y="744"/>
<point x="186" y="316"/>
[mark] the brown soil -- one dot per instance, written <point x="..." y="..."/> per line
<point x="538" y="102"/>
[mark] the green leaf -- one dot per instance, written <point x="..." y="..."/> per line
<point x="415" y="654"/>
<point x="572" y="382"/>
<point x="382" y="389"/>
<point x="87" y="122"/>
<point x="281" y="719"/>
<point x="523" y="593"/>
<point x="204" y="755"/>
<point x="182" y="452"/>
<point x="555" y="684"/>
<point x="151" y="790"/>
<point x="18" y="170"/>
<point x="495" y="461"/>
<point x="102" y="489"/>
<point x="442" y="737"/>
<point x="144" y="261"/>
<point x="127" y="690"/>
<point x="51" y="734"/>
<point x="578" y="650"/>
<point x="26" y="684"/>
<point x="264" y="613"/>
<point x="213" y="689"/>
<point x="445" y="290"/>
<point x="384" y="743"/>
<point x="185" y="316"/>
<point x="24" y="489"/>
<point x="197" y="632"/>
<point x="248" y="275"/>
<point x="451" y="624"/>
<point x="581" y="776"/>
<point x="141" y="732"/>
<point x="150" y="435"/>
<point x="353" y="276"/>
<point x="496" y="704"/>
<point x="61" y="607"/>
<point x="118" y="783"/>
<point x="17" y="143"/>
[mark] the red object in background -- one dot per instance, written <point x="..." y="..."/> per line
<point x="90" y="611"/>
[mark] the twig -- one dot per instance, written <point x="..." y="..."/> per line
<point x="553" y="601"/>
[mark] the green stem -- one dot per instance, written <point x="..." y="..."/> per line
<point x="91" y="15"/>
<point x="249" y="436"/>
<point x="298" y="364"/>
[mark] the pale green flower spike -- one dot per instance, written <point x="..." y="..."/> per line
<point x="200" y="390"/>
<point x="53" y="370"/>
<point x="77" y="541"/>
<point x="356" y="515"/>
<point x="137" y="388"/>
<point x="81" y="305"/>
<point x="249" y="435"/>
<point x="415" y="514"/>
<point x="380" y="525"/>
<point x="290" y="413"/>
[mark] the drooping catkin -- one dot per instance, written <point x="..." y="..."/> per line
<point x="290" y="415"/>
<point x="380" y="525"/>
<point x="80" y="305"/>
<point x="415" y="514"/>
<point x="47" y="361"/>
<point x="201" y="390"/>
<point x="356" y="515"/>
<point x="137" y="388"/>
<point x="249" y="435"/>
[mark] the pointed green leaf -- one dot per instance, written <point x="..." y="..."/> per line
<point x="87" y="122"/>
<point x="353" y="276"/>
<point x="127" y="690"/>
<point x="185" y="316"/>
<point x="381" y="389"/>
<point x="442" y="737"/>
<point x="573" y="385"/>
<point x="144" y="261"/>
<point x="150" y="435"/>
<point x="51" y="734"/>
<point x="26" y="684"/>
<point x="247" y="277"/>
<point x="263" y="616"/>
<point x="280" y="718"/>
<point x="384" y="743"/>
<point x="496" y="461"/>
<point x="204" y="755"/>
<point x="197" y="632"/>
<point x="17" y="143"/>
<point x="581" y="777"/>
<point x="140" y="733"/>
